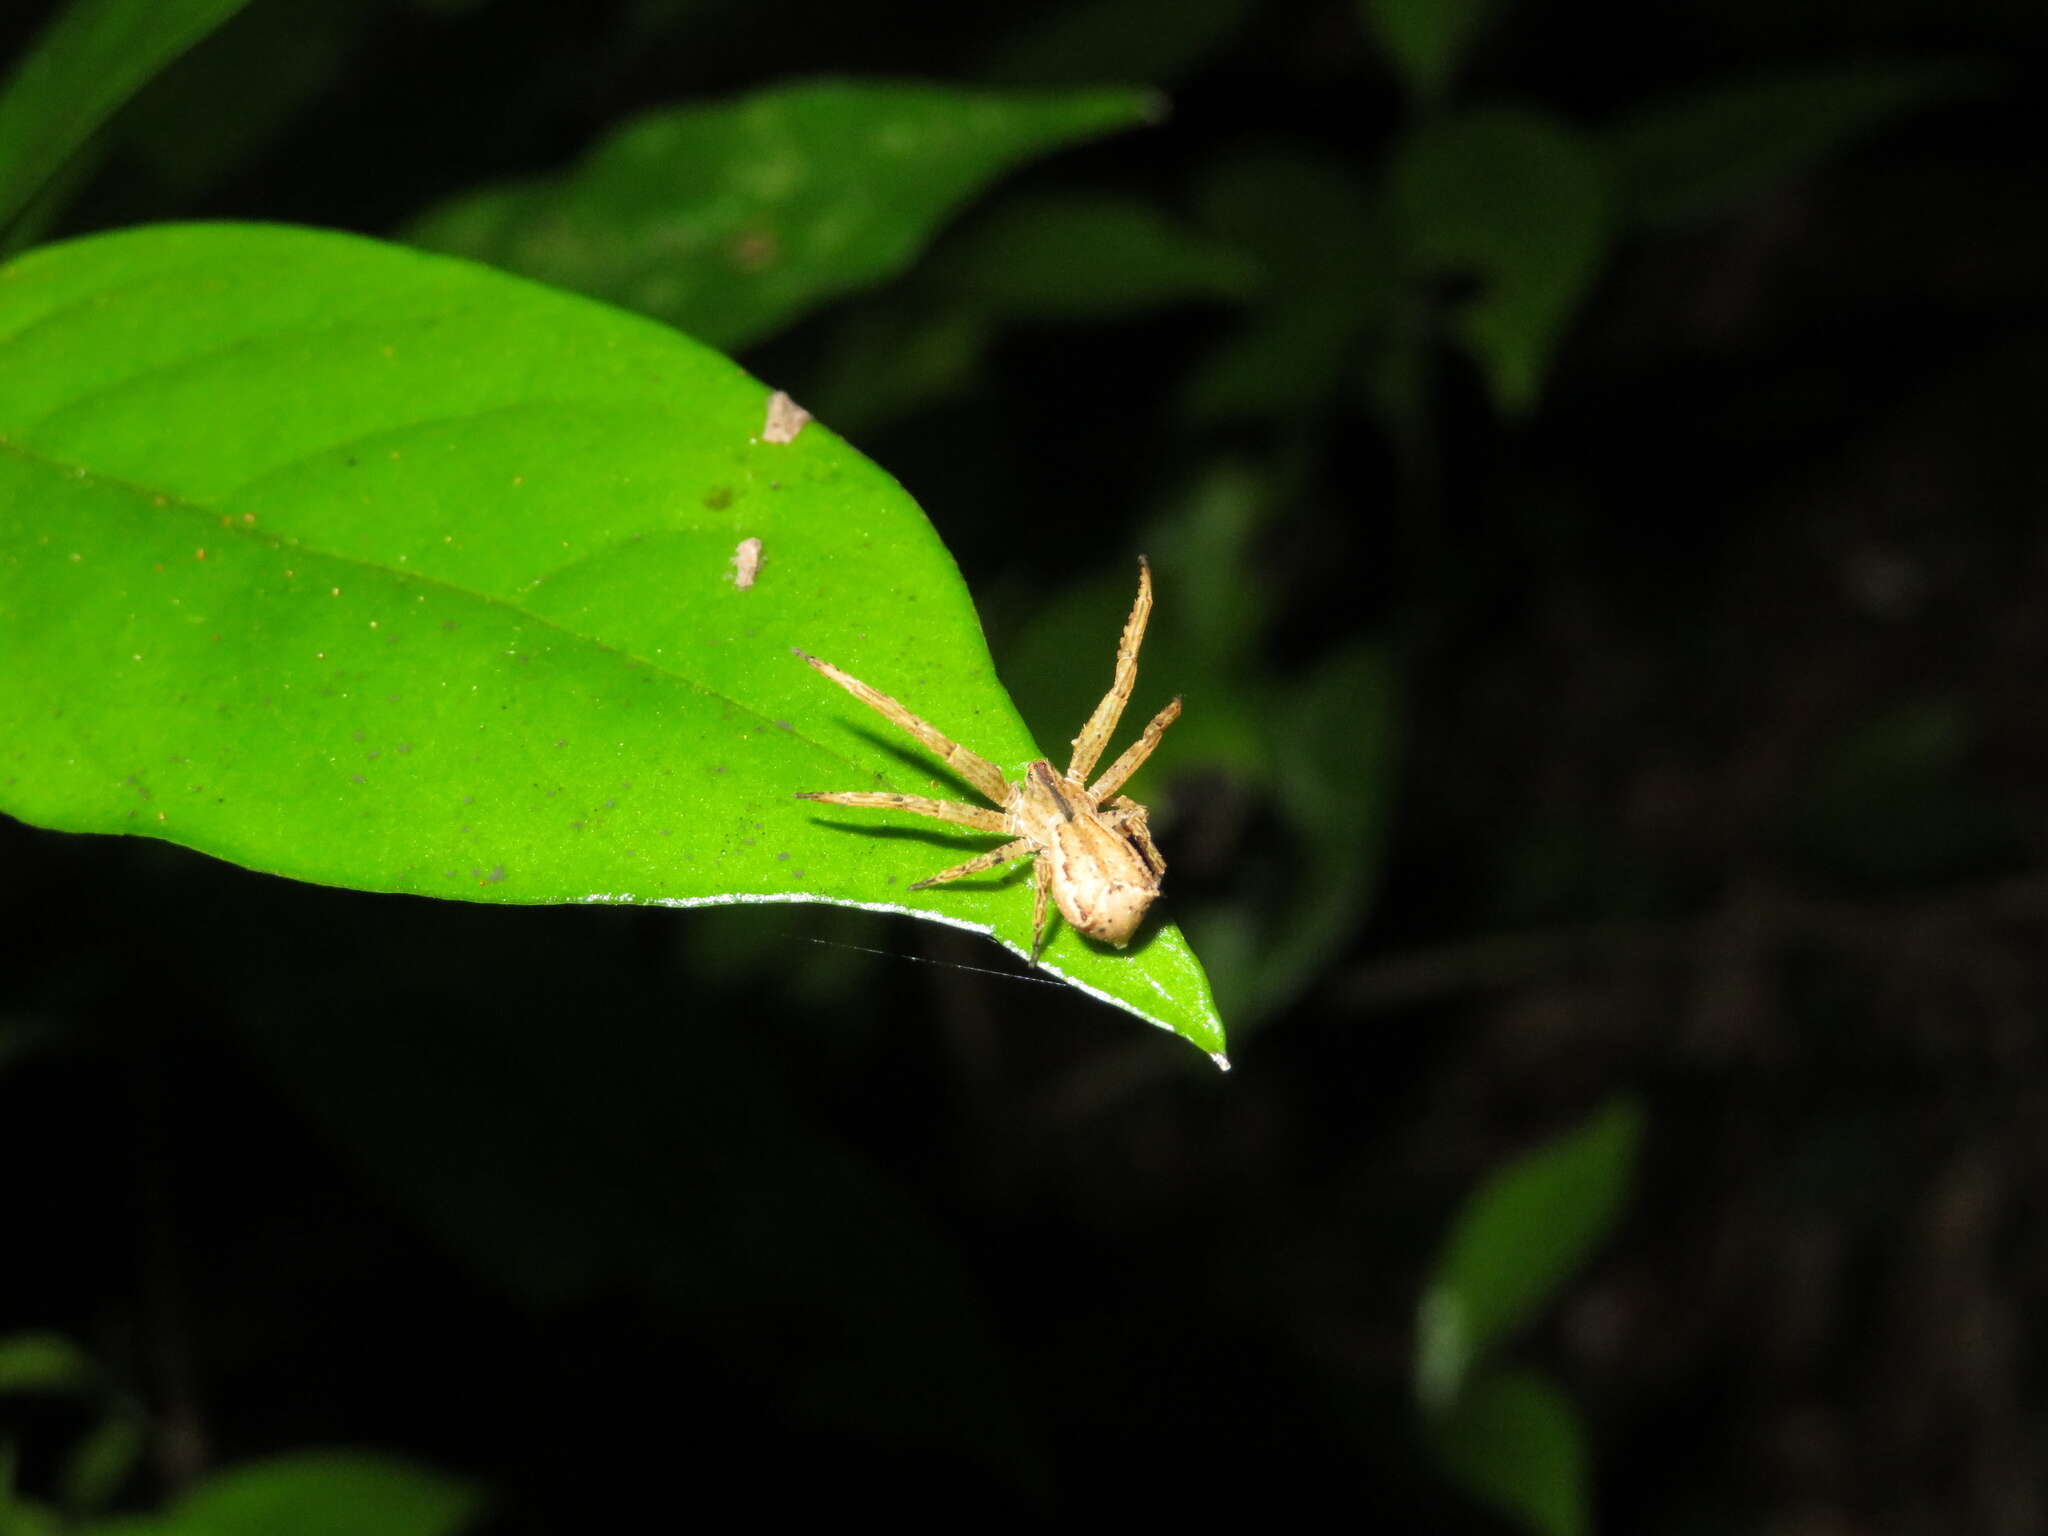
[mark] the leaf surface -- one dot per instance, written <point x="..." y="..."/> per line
<point x="382" y="570"/>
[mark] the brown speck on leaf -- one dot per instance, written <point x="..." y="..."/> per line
<point x="746" y="563"/>
<point x="785" y="419"/>
<point x="718" y="498"/>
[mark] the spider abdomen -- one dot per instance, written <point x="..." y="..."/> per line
<point x="1102" y="868"/>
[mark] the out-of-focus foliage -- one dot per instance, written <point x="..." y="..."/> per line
<point x="729" y="221"/>
<point x="43" y="1362"/>
<point x="1427" y="40"/>
<point x="324" y="1494"/>
<point x="1518" y="1239"/>
<point x="1516" y="1442"/>
<point x="1516" y="200"/>
<point x="1512" y="1437"/>
<point x="95" y="56"/>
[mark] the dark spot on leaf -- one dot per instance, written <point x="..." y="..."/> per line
<point x="719" y="499"/>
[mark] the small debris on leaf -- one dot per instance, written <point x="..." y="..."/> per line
<point x="785" y="419"/>
<point x="746" y="563"/>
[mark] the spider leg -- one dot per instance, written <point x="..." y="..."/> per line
<point x="1102" y="724"/>
<point x="1115" y="775"/>
<point x="943" y="810"/>
<point x="1014" y="849"/>
<point x="984" y="775"/>
<point x="1042" y="888"/>
<point x="1127" y="816"/>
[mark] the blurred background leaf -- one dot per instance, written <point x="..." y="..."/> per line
<point x="325" y="1494"/>
<point x="730" y="221"/>
<point x="1515" y="1442"/>
<point x="1427" y="40"/>
<point x="1515" y="1243"/>
<point x="1516" y="201"/>
<point x="44" y="1362"/>
<point x="93" y="57"/>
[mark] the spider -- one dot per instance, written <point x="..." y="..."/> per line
<point x="1096" y="858"/>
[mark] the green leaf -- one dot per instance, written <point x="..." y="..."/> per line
<point x="1519" y="201"/>
<point x="93" y="57"/>
<point x="1426" y="39"/>
<point x="1516" y="1443"/>
<point x="376" y="569"/>
<point x="1707" y="152"/>
<point x="1335" y="782"/>
<point x="1069" y="256"/>
<point x="319" y="1493"/>
<point x="1519" y="1238"/>
<point x="44" y="1362"/>
<point x="733" y="220"/>
<point x="102" y="1460"/>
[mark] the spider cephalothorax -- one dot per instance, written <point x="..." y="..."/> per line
<point x="1095" y="856"/>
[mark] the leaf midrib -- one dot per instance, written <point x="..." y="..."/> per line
<point x="77" y="473"/>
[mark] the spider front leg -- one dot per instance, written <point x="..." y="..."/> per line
<point x="1102" y="724"/>
<point x="941" y="810"/>
<point x="977" y="770"/>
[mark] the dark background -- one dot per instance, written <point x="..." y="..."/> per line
<point x="1705" y="761"/>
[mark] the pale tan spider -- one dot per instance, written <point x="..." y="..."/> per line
<point x="1096" y="857"/>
